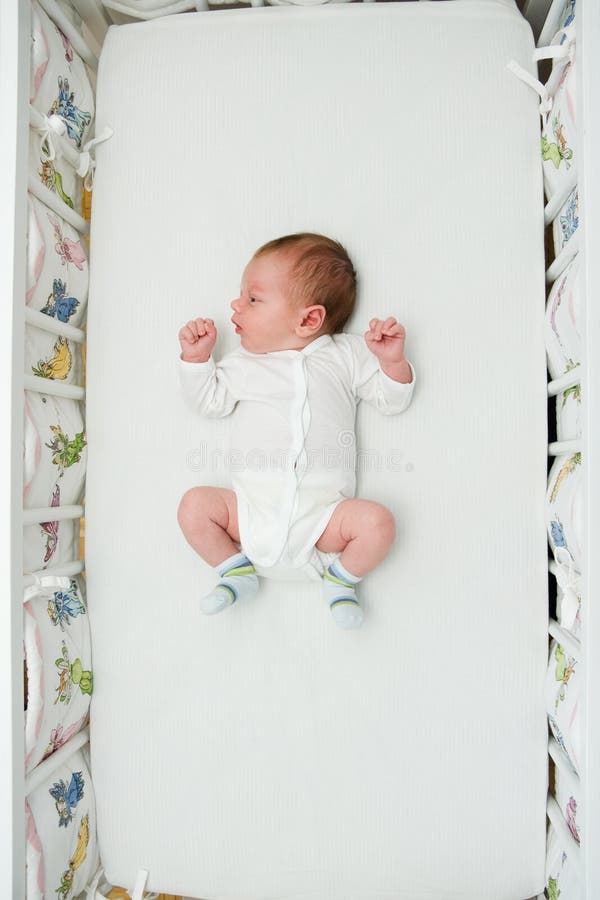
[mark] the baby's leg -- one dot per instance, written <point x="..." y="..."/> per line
<point x="208" y="519"/>
<point x="362" y="532"/>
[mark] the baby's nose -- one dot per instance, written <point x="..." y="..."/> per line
<point x="235" y="304"/>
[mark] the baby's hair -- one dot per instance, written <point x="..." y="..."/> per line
<point x="322" y="273"/>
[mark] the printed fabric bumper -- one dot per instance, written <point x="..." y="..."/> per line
<point x="563" y="347"/>
<point x="563" y="693"/>
<point x="568" y="592"/>
<point x="62" y="850"/>
<point x="559" y="134"/>
<point x="566" y="223"/>
<point x="59" y="670"/>
<point x="52" y="356"/>
<point x="57" y="266"/>
<point x="564" y="506"/>
<point x="562" y="872"/>
<point x="54" y="457"/>
<point x="59" y="84"/>
<point x="567" y="791"/>
<point x="55" y="451"/>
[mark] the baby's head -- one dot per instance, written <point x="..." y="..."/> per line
<point x="294" y="289"/>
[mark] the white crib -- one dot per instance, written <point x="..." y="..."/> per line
<point x="572" y="868"/>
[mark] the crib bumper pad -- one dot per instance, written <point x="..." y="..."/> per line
<point x="53" y="542"/>
<point x="50" y="167"/>
<point x="562" y="873"/>
<point x="55" y="447"/>
<point x="568" y="414"/>
<point x="62" y="849"/>
<point x="59" y="84"/>
<point x="55" y="451"/>
<point x="59" y="669"/>
<point x="567" y="790"/>
<point x="57" y="266"/>
<point x="564" y="506"/>
<point x="559" y="134"/>
<point x="563" y="692"/>
<point x="566" y="223"/>
<point x="52" y="356"/>
<point x="563" y="322"/>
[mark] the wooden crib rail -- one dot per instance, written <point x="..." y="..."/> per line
<point x="568" y="380"/>
<point x="51" y="514"/>
<point x="53" y="388"/>
<point x="49" y="765"/>
<point x="52" y="8"/>
<point x="54" y="326"/>
<point x="49" y="199"/>
<point x="67" y="570"/>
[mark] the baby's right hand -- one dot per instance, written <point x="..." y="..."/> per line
<point x="197" y="338"/>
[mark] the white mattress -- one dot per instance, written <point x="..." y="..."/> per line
<point x="263" y="754"/>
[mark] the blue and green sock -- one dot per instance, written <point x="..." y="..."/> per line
<point x="339" y="592"/>
<point x="237" y="581"/>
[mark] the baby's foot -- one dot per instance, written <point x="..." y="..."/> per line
<point x="237" y="581"/>
<point x="339" y="592"/>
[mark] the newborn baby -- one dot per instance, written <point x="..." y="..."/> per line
<point x="292" y="387"/>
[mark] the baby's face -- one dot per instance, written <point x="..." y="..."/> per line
<point x="264" y="316"/>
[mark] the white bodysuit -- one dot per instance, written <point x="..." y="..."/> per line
<point x="293" y="449"/>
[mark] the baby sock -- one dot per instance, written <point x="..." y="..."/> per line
<point x="338" y="590"/>
<point x="237" y="581"/>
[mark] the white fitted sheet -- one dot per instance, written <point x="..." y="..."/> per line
<point x="263" y="754"/>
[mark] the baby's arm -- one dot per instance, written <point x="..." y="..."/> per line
<point x="381" y="374"/>
<point x="206" y="389"/>
<point x="197" y="339"/>
<point x="386" y="340"/>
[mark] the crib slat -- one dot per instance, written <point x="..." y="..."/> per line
<point x="49" y="199"/>
<point x="563" y="259"/>
<point x="558" y="200"/>
<point x="94" y="17"/>
<point x="561" y="761"/>
<point x="62" y="22"/>
<point x="51" y="514"/>
<point x="567" y="640"/>
<point x="551" y="23"/>
<point x="53" y="387"/>
<point x="568" y="380"/>
<point x="48" y="766"/>
<point x="561" y="448"/>
<point x="47" y="323"/>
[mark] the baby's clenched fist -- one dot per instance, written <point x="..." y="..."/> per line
<point x="197" y="339"/>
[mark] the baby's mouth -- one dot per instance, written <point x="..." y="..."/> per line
<point x="238" y="328"/>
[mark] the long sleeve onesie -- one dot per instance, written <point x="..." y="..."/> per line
<point x="293" y="436"/>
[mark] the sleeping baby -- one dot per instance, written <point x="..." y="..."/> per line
<point x="293" y="387"/>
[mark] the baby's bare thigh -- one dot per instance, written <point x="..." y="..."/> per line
<point x="350" y="518"/>
<point x="220" y="504"/>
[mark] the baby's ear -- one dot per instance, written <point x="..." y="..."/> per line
<point x="312" y="320"/>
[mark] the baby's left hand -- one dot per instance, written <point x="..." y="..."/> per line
<point x="386" y="340"/>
